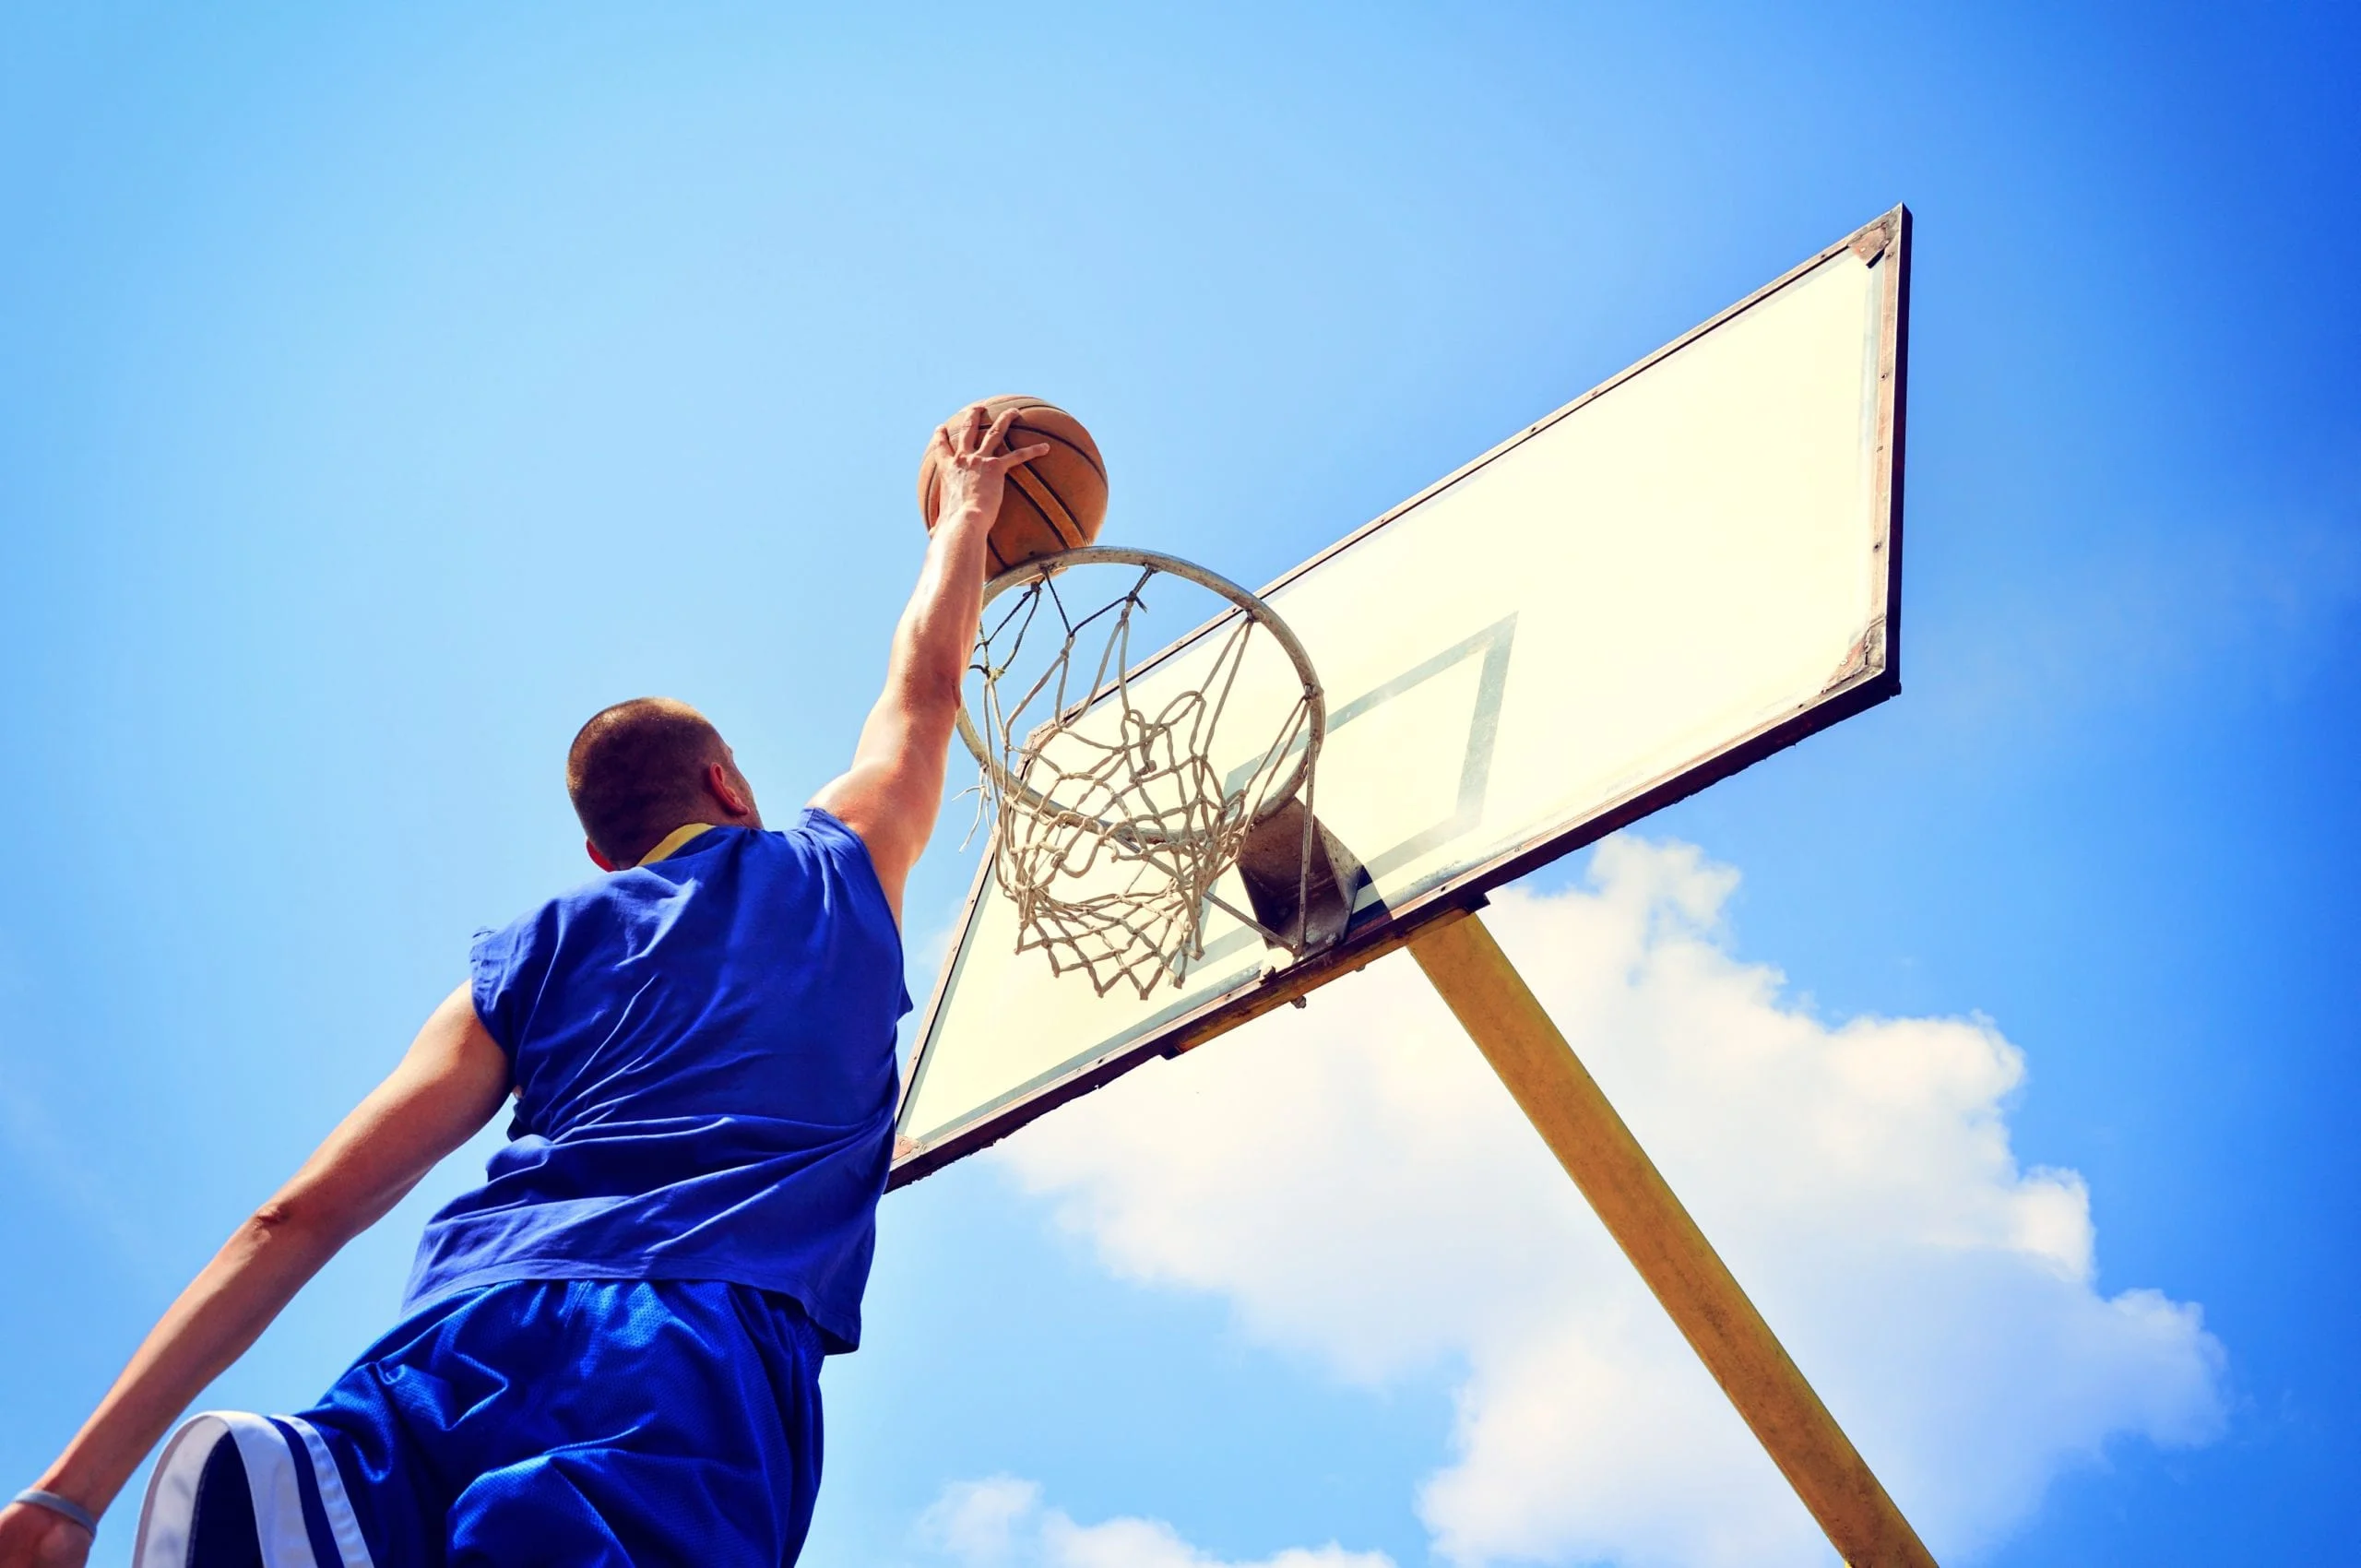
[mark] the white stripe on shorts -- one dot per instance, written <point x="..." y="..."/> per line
<point x="167" y="1516"/>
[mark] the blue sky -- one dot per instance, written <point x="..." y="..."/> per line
<point x="381" y="391"/>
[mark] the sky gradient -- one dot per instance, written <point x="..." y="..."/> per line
<point x="383" y="391"/>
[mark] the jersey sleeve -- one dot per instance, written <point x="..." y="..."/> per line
<point x="846" y="854"/>
<point x="506" y="969"/>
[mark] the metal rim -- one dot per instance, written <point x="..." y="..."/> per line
<point x="1042" y="567"/>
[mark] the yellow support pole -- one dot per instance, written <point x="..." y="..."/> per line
<point x="1563" y="1102"/>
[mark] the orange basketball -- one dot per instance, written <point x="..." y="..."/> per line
<point x="1056" y="501"/>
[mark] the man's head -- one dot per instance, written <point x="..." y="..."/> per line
<point x="641" y="768"/>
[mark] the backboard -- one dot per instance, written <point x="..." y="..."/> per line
<point x="1688" y="567"/>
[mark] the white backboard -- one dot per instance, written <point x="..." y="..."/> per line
<point x="1684" y="569"/>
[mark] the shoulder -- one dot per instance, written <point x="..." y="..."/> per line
<point x="549" y="921"/>
<point x="822" y="838"/>
<point x="503" y="956"/>
<point x="505" y="965"/>
<point x="825" y="831"/>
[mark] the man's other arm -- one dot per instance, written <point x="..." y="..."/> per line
<point x="893" y="790"/>
<point x="446" y="1086"/>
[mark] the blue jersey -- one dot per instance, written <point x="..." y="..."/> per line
<point x="703" y="1052"/>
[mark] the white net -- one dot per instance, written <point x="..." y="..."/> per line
<point x="1118" y="799"/>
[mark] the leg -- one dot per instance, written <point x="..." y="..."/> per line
<point x="663" y="1422"/>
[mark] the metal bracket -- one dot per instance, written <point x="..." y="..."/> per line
<point x="1300" y="879"/>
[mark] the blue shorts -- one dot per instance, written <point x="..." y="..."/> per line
<point x="557" y="1422"/>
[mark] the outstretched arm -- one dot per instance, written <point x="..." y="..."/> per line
<point x="893" y="789"/>
<point x="447" y="1087"/>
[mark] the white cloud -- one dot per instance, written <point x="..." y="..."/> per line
<point x="1353" y="1180"/>
<point x="1000" y="1523"/>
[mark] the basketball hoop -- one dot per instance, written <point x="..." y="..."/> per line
<point x="1121" y="795"/>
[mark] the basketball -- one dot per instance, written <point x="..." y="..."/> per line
<point x="1056" y="501"/>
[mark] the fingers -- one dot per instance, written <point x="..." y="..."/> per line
<point x="966" y="437"/>
<point x="1024" y="454"/>
<point x="998" y="437"/>
<point x="955" y="437"/>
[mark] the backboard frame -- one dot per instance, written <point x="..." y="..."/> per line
<point x="1871" y="676"/>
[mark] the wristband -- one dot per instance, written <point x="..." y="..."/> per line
<point x="63" y="1507"/>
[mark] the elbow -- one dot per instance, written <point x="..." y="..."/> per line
<point x="942" y="705"/>
<point x="933" y="700"/>
<point x="283" y="1224"/>
<point x="274" y="1222"/>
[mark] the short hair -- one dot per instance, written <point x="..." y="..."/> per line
<point x="637" y="771"/>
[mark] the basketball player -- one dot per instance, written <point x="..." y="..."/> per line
<point x="609" y="1350"/>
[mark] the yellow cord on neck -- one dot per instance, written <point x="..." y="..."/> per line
<point x="673" y="841"/>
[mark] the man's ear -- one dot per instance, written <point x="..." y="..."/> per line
<point x="596" y="858"/>
<point x="723" y="787"/>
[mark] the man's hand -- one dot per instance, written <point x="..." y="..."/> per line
<point x="31" y="1536"/>
<point x="974" y="478"/>
<point x="893" y="789"/>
